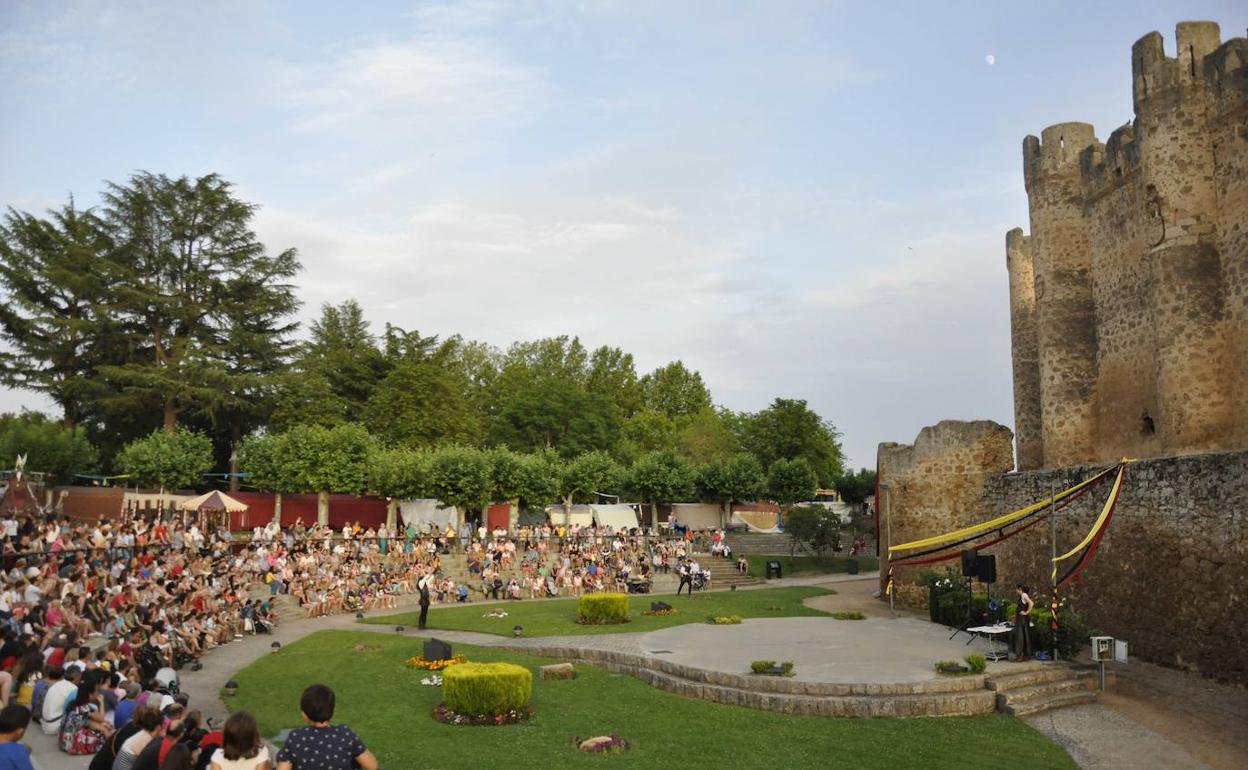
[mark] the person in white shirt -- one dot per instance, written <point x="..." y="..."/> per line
<point x="54" y="700"/>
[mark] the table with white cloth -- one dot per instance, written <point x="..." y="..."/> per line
<point x="994" y="633"/>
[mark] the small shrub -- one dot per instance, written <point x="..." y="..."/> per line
<point x="761" y="666"/>
<point x="951" y="667"/>
<point x="851" y="615"/>
<point x="602" y="609"/>
<point x="976" y="662"/>
<point x="786" y="667"/>
<point x="724" y="620"/>
<point x="487" y="689"/>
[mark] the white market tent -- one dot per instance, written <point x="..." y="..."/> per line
<point x="419" y="514"/>
<point x="581" y="514"/>
<point x="616" y="516"/>
<point x="757" y="521"/>
<point x="697" y="515"/>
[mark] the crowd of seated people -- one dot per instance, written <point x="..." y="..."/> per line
<point x="91" y="611"/>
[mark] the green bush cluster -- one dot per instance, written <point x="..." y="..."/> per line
<point x="763" y="666"/>
<point x="976" y="662"/>
<point x="600" y="609"/>
<point x="486" y="688"/>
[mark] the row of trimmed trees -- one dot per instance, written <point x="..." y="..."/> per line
<point x="348" y="459"/>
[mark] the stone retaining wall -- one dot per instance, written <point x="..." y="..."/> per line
<point x="958" y="696"/>
<point x="1171" y="576"/>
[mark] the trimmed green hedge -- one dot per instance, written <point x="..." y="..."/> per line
<point x="602" y="608"/>
<point x="486" y="688"/>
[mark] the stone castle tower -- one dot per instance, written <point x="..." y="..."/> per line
<point x="1129" y="300"/>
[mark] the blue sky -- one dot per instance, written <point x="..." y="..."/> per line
<point x="805" y="200"/>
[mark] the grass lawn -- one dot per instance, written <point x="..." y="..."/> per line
<point x="385" y="703"/>
<point x="805" y="565"/>
<point x="557" y="617"/>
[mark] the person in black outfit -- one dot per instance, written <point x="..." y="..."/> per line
<point x="686" y="578"/>
<point x="424" y="601"/>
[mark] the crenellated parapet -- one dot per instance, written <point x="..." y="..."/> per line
<point x="1133" y="304"/>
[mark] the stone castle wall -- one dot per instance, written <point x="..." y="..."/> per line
<point x="1171" y="575"/>
<point x="1129" y="299"/>
<point x="934" y="485"/>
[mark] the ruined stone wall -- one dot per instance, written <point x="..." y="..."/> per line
<point x="1140" y="253"/>
<point x="935" y="485"/>
<point x="1171" y="575"/>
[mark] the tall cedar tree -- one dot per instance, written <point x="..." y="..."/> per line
<point x="53" y="314"/>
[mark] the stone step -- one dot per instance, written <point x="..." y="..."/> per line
<point x="1015" y="680"/>
<point x="1043" y="691"/>
<point x="1045" y="704"/>
<point x="941" y="697"/>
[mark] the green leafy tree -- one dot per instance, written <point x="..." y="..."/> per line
<point x="854" y="488"/>
<point x="49" y="446"/>
<point x="311" y="458"/>
<point x="542" y="478"/>
<point x="737" y="477"/>
<point x="789" y="430"/>
<point x="675" y="390"/>
<point x="791" y="481"/>
<point x="400" y="473"/>
<point x="583" y="476"/>
<point x="53" y="314"/>
<point x="555" y="413"/>
<point x="613" y="376"/>
<point x="509" y="474"/>
<point x="183" y="260"/>
<point x="461" y="476"/>
<point x="422" y="401"/>
<point x="647" y="431"/>
<point x="813" y="527"/>
<point x="661" y="477"/>
<point x="176" y="460"/>
<point x="704" y="436"/>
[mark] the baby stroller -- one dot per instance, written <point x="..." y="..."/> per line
<point x="638" y="585"/>
<point x="701" y="580"/>
<point x="149" y="660"/>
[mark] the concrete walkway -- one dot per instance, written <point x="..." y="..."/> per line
<point x="1099" y="738"/>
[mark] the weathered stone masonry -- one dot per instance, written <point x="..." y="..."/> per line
<point x="1129" y="300"/>
<point x="1129" y="316"/>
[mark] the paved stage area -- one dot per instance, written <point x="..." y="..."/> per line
<point x="870" y="651"/>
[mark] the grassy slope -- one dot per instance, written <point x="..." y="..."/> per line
<point x="383" y="701"/>
<point x="804" y="565"/>
<point x="558" y="616"/>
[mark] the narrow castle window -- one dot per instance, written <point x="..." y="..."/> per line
<point x="1147" y="428"/>
<point x="1191" y="58"/>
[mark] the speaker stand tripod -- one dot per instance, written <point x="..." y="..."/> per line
<point x="970" y="609"/>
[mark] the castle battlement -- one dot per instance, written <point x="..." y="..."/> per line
<point x="1105" y="167"/>
<point x="1129" y="297"/>
<point x="1056" y="151"/>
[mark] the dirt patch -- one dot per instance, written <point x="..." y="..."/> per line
<point x="856" y="595"/>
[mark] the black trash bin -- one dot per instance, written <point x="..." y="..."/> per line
<point x="852" y="566"/>
<point x="773" y="570"/>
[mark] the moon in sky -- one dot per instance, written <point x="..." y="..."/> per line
<point x="990" y="60"/>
